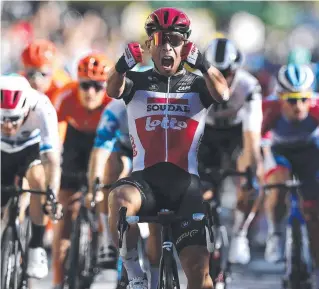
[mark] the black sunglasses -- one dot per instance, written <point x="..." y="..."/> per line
<point x="37" y="73"/>
<point x="12" y="119"/>
<point x="97" y="85"/>
<point x="173" y="38"/>
<point x="293" y="101"/>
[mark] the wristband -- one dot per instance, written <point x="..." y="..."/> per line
<point x="121" y="65"/>
<point x="204" y="65"/>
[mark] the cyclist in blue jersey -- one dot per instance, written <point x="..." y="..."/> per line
<point x="290" y="134"/>
<point x="110" y="160"/>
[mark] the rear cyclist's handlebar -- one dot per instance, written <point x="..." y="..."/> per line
<point x="248" y="174"/>
<point x="19" y="191"/>
<point x="290" y="184"/>
<point x="48" y="193"/>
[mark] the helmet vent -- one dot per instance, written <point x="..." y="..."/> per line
<point x="220" y="50"/>
<point x="156" y="20"/>
<point x="24" y="102"/>
<point x="15" y="96"/>
<point x="175" y="19"/>
<point x="165" y="17"/>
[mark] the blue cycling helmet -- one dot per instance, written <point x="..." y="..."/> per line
<point x="295" y="78"/>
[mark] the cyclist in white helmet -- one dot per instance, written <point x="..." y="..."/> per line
<point x="234" y="129"/>
<point x="290" y="133"/>
<point x="30" y="149"/>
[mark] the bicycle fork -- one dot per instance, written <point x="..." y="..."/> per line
<point x="168" y="262"/>
<point x="305" y="256"/>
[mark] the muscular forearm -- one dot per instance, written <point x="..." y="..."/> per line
<point x="97" y="163"/>
<point x="115" y="83"/>
<point x="216" y="84"/>
<point x="252" y="140"/>
<point x="51" y="165"/>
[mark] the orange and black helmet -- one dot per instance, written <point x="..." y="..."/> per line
<point x="39" y="53"/>
<point x="94" y="67"/>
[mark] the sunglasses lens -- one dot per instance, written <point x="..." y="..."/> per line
<point x="12" y="119"/>
<point x="174" y="39"/>
<point x="96" y="85"/>
<point x="37" y="73"/>
<point x="294" y="101"/>
<point x="85" y="85"/>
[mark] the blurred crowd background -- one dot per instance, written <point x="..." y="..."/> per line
<point x="268" y="33"/>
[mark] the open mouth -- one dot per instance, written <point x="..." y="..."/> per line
<point x="167" y="62"/>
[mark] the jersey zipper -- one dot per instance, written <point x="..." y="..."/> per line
<point x="166" y="115"/>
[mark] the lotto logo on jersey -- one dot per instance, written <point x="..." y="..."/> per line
<point x="166" y="123"/>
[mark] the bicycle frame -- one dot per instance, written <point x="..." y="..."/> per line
<point x="167" y="258"/>
<point x="295" y="214"/>
<point x="298" y="257"/>
<point x="168" y="267"/>
<point x="90" y="216"/>
<point x="219" y="265"/>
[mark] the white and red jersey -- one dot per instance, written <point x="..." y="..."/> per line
<point x="244" y="106"/>
<point x="40" y="126"/>
<point x="166" y="118"/>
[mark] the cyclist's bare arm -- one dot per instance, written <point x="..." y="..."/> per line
<point x="216" y="84"/>
<point x="252" y="123"/>
<point x="51" y="163"/>
<point x="98" y="159"/>
<point x="49" y="145"/>
<point x="115" y="83"/>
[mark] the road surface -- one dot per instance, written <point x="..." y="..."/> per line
<point x="256" y="275"/>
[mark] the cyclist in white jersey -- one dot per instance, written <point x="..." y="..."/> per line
<point x="110" y="160"/>
<point x="30" y="148"/>
<point x="166" y="115"/>
<point x="233" y="128"/>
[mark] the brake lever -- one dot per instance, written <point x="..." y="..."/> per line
<point x="209" y="221"/>
<point x="96" y="187"/>
<point x="51" y="198"/>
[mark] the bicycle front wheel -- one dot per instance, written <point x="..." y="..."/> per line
<point x="77" y="263"/>
<point x="293" y="260"/>
<point x="168" y="274"/>
<point x="10" y="261"/>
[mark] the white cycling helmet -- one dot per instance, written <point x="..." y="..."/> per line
<point x="223" y="54"/>
<point x="295" y="78"/>
<point x="14" y="95"/>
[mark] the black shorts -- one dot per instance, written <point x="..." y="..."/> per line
<point x="75" y="158"/>
<point x="165" y="186"/>
<point x="215" y="142"/>
<point x="17" y="164"/>
<point x="303" y="161"/>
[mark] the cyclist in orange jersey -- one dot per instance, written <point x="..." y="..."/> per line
<point x="39" y="59"/>
<point x="79" y="106"/>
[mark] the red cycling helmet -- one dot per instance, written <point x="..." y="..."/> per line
<point x="170" y="19"/>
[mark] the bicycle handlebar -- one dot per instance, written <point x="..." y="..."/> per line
<point x="18" y="191"/>
<point x="48" y="193"/>
<point x="163" y="219"/>
<point x="290" y="184"/>
<point x="248" y="174"/>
